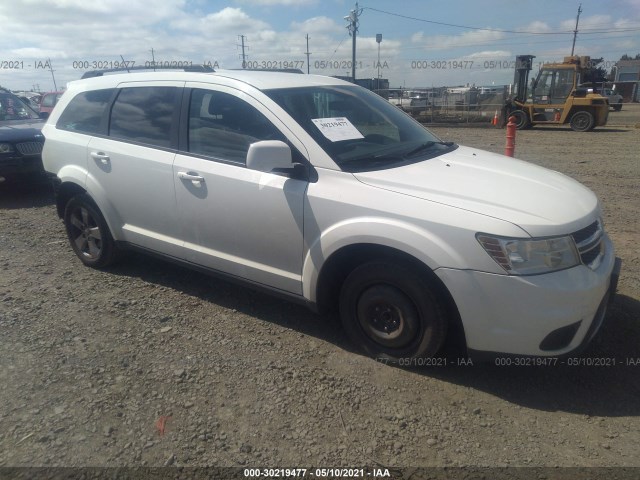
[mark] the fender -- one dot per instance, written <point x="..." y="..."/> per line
<point x="70" y="173"/>
<point x="422" y="244"/>
<point x="96" y="191"/>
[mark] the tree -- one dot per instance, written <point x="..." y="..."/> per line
<point x="628" y="57"/>
<point x="594" y="73"/>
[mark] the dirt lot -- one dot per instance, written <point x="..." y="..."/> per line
<point x="91" y="360"/>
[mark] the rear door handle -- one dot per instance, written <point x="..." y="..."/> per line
<point x="193" y="177"/>
<point x="103" y="157"/>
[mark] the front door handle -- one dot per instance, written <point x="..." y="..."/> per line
<point x="193" y="177"/>
<point x="103" y="157"/>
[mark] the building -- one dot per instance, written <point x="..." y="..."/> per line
<point x="627" y="79"/>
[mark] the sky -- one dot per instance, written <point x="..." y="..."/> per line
<point x="424" y="43"/>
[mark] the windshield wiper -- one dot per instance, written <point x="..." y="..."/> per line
<point x="425" y="146"/>
<point x="375" y="160"/>
<point x="388" y="158"/>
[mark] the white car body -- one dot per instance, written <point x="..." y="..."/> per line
<point x="614" y="98"/>
<point x="278" y="232"/>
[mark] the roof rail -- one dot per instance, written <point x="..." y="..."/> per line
<point x="187" y="68"/>
<point x="281" y="70"/>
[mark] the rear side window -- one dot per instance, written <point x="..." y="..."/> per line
<point x="84" y="113"/>
<point x="144" y="114"/>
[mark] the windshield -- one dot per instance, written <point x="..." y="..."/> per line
<point x="360" y="130"/>
<point x="12" y="108"/>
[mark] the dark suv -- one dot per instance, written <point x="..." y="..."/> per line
<point x="21" y="140"/>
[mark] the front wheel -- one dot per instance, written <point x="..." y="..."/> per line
<point x="392" y="312"/>
<point x="88" y="232"/>
<point x="617" y="107"/>
<point x="582" y="121"/>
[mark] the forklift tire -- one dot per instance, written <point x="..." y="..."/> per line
<point x="582" y="121"/>
<point x="522" y="119"/>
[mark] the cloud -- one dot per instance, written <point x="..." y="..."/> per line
<point x="417" y="37"/>
<point x="536" y="26"/>
<point x="321" y="25"/>
<point x="488" y="54"/>
<point x="466" y="39"/>
<point x="226" y="20"/>
<point x="270" y="3"/>
<point x="599" y="22"/>
<point x="69" y="12"/>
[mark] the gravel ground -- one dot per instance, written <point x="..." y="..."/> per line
<point x="150" y="364"/>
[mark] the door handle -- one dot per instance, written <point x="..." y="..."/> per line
<point x="103" y="157"/>
<point x="193" y="177"/>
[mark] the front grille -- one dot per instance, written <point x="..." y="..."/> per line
<point x="590" y="244"/>
<point x="30" y="148"/>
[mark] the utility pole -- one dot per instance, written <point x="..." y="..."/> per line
<point x="575" y="32"/>
<point x="353" y="30"/>
<point x="55" y="87"/>
<point x="153" y="59"/>
<point x="244" y="56"/>
<point x="307" y="54"/>
<point x="378" y="41"/>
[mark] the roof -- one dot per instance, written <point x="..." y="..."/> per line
<point x="261" y="80"/>
<point x="628" y="63"/>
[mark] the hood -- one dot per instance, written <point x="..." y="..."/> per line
<point x="22" y="130"/>
<point x="541" y="201"/>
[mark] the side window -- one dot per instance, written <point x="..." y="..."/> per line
<point x="544" y="85"/>
<point x="223" y="126"/>
<point x="564" y="84"/>
<point x="144" y="114"/>
<point x="84" y="113"/>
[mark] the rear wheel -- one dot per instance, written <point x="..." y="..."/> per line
<point x="88" y="232"/>
<point x="392" y="312"/>
<point x="617" y="107"/>
<point x="522" y="119"/>
<point x="582" y="121"/>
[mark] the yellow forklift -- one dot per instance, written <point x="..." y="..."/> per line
<point x="556" y="97"/>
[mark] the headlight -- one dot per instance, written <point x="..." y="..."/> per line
<point x="531" y="256"/>
<point x="6" y="148"/>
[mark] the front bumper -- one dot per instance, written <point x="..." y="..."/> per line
<point x="519" y="314"/>
<point x="21" y="165"/>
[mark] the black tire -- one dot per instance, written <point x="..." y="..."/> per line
<point x="391" y="312"/>
<point x="617" y="107"/>
<point x="582" y="121"/>
<point x="88" y="232"/>
<point x="522" y="119"/>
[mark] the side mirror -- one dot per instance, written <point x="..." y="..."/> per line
<point x="269" y="155"/>
<point x="44" y="115"/>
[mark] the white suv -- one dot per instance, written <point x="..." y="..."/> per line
<point x="322" y="191"/>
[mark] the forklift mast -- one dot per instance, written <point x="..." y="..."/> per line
<point x="521" y="77"/>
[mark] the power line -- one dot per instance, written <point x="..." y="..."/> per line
<point x="489" y="44"/>
<point x="568" y="32"/>
<point x="336" y="49"/>
<point x="501" y="43"/>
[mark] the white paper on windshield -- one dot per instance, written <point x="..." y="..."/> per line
<point x="337" y="128"/>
